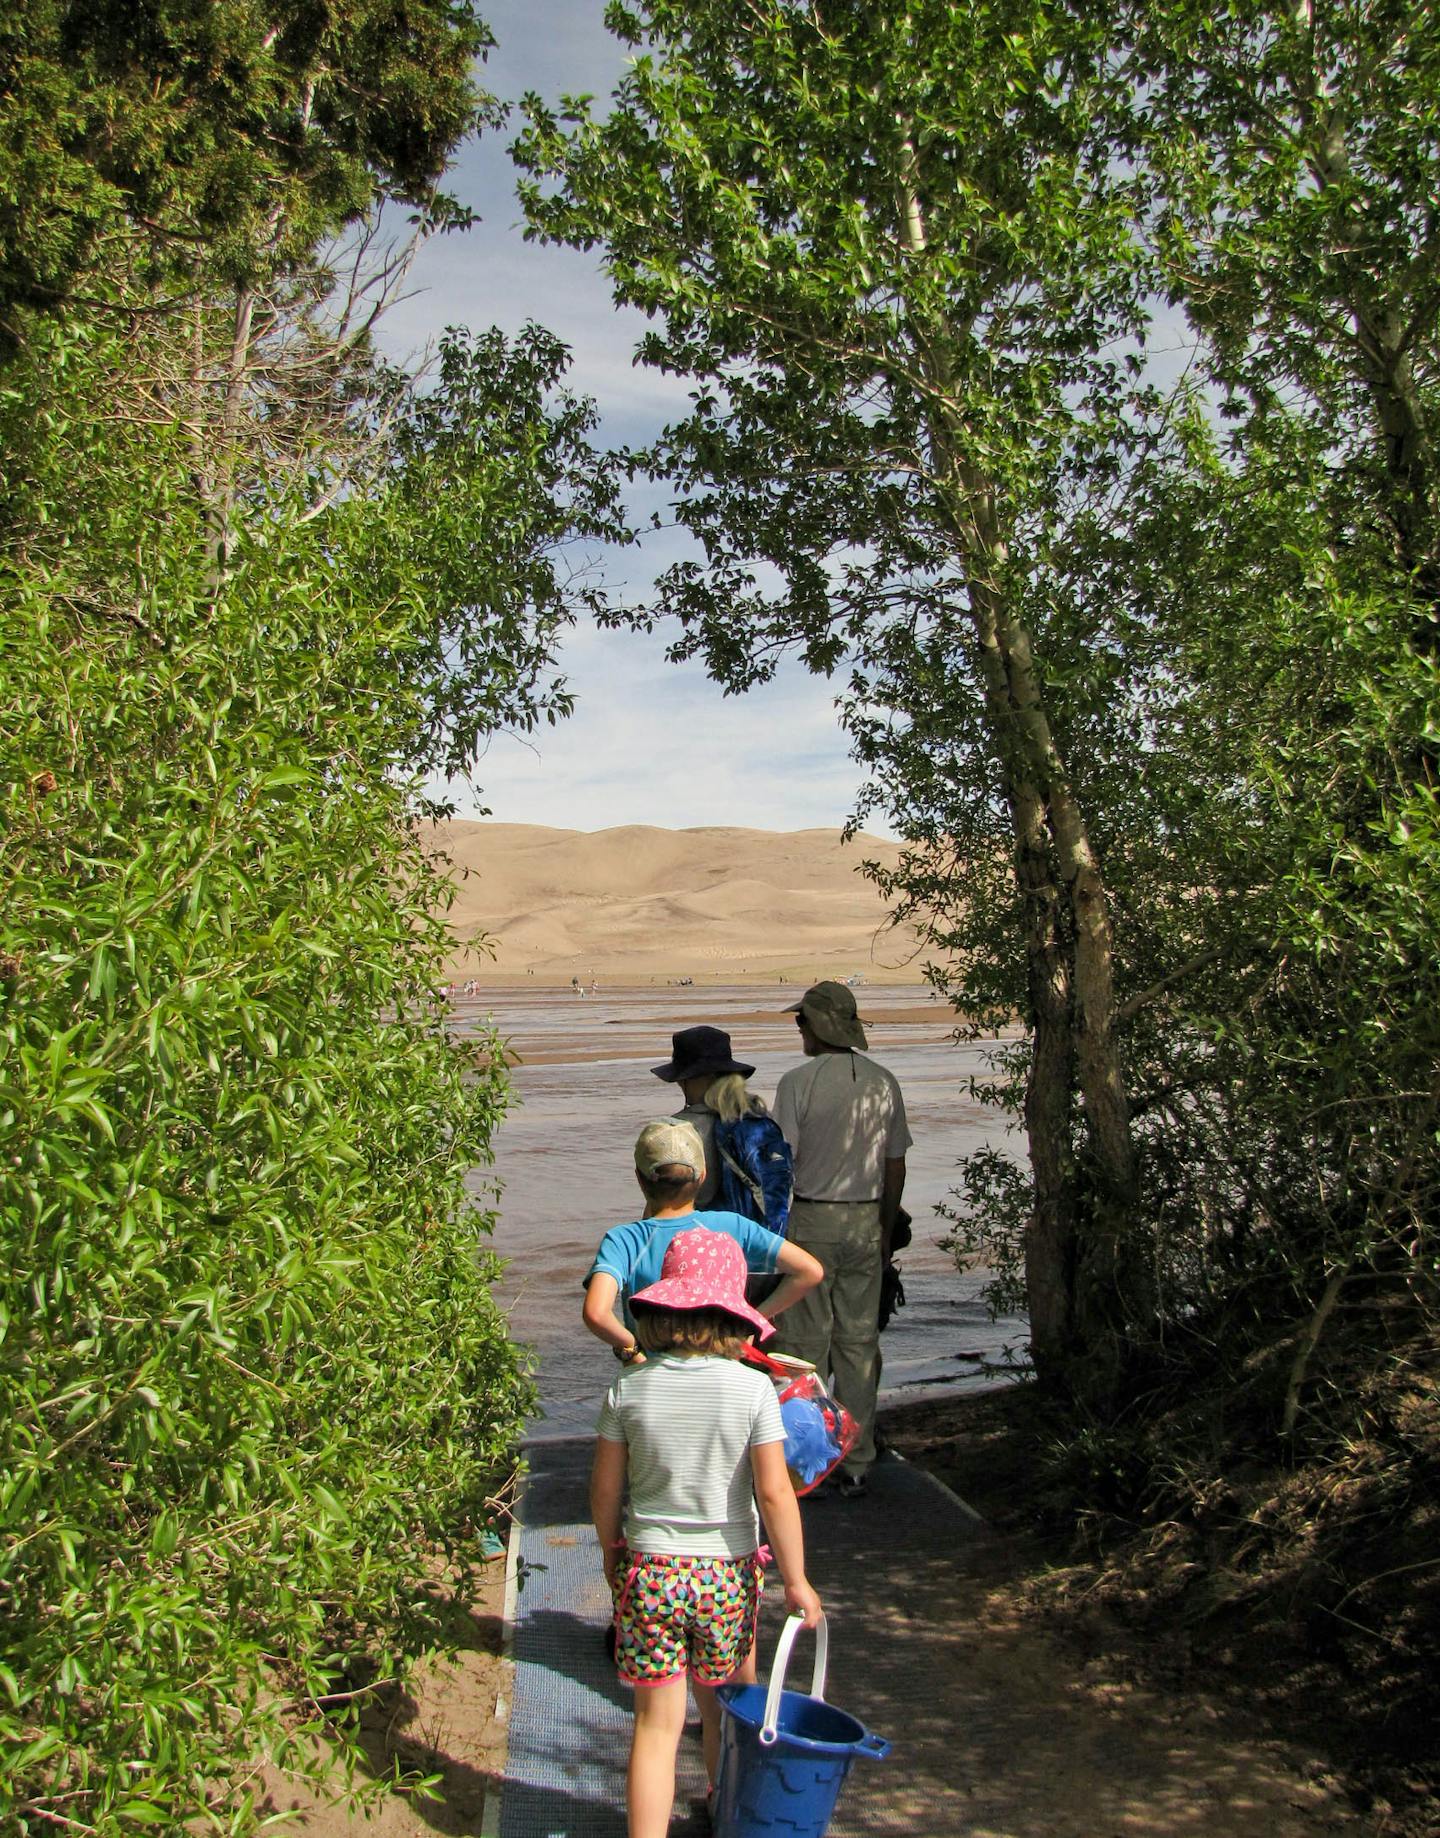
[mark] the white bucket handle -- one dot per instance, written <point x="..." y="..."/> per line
<point x="769" y="1730"/>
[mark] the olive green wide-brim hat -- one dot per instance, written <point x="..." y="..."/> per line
<point x="829" y="1008"/>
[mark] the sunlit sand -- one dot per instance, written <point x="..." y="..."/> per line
<point x="642" y="906"/>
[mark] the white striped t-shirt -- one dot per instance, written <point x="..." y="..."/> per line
<point x="688" y="1423"/>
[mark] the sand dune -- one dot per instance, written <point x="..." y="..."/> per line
<point x="641" y="905"/>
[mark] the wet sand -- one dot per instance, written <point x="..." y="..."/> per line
<point x="582" y="1076"/>
<point x="529" y="1044"/>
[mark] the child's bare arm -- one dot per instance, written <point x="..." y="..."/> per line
<point x="607" y="1494"/>
<point x="781" y="1512"/>
<point x="601" y="1294"/>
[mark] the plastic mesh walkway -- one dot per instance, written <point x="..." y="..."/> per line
<point x="569" y="1720"/>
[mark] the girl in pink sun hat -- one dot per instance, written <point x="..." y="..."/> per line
<point x="698" y="1436"/>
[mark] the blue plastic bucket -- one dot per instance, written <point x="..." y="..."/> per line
<point x="784" y="1756"/>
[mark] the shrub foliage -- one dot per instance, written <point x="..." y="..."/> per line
<point x="252" y="1369"/>
<point x="254" y="587"/>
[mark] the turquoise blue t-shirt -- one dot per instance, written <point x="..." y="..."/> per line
<point x="634" y="1253"/>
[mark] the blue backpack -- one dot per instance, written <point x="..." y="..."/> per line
<point x="757" y="1171"/>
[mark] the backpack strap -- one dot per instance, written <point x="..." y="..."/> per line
<point x="756" y="1192"/>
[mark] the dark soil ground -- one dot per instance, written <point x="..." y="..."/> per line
<point x="1131" y="1601"/>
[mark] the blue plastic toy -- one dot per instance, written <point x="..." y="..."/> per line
<point x="812" y="1446"/>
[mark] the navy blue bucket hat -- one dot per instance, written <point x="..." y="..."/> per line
<point x="695" y="1050"/>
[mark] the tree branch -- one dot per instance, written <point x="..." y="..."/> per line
<point x="1128" y="1009"/>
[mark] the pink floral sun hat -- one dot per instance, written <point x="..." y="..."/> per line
<point x="704" y="1269"/>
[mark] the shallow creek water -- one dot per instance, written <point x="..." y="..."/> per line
<point x="564" y="1170"/>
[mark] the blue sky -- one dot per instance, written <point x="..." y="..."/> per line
<point x="650" y="742"/>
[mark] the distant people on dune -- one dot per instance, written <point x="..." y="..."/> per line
<point x="670" y="1169"/>
<point x="844" y="1117"/>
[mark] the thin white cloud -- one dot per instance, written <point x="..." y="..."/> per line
<point x="656" y="743"/>
<point x="650" y="742"/>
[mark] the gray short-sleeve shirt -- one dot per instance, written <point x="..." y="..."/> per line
<point x="844" y="1117"/>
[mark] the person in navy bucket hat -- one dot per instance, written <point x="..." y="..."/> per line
<point x="747" y="1165"/>
<point x="700" y="1052"/>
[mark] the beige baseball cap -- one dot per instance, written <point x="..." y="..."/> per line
<point x="667" y="1143"/>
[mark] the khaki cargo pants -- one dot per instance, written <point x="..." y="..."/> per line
<point x="835" y="1326"/>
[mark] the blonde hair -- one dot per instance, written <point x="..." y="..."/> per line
<point x="690" y="1330"/>
<point x="730" y="1101"/>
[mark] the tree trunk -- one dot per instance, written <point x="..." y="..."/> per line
<point x="1084" y="1297"/>
<point x="1049" y="1103"/>
<point x="221" y="508"/>
<point x="1072" y="1011"/>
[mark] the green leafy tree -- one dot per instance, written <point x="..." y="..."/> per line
<point x="483" y="521"/>
<point x="254" y="1376"/>
<point x="894" y="256"/>
<point x="1145" y="676"/>
<point x="195" y="143"/>
<point x="1295" y="163"/>
<point x="255" y="589"/>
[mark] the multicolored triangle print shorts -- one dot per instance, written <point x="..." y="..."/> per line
<point x="676" y="1614"/>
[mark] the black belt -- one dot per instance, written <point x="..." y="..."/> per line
<point x="805" y="1200"/>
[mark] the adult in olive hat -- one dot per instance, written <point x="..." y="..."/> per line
<point x="844" y="1117"/>
<point x="829" y="1009"/>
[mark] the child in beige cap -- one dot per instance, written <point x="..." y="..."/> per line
<point x="669" y="1166"/>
